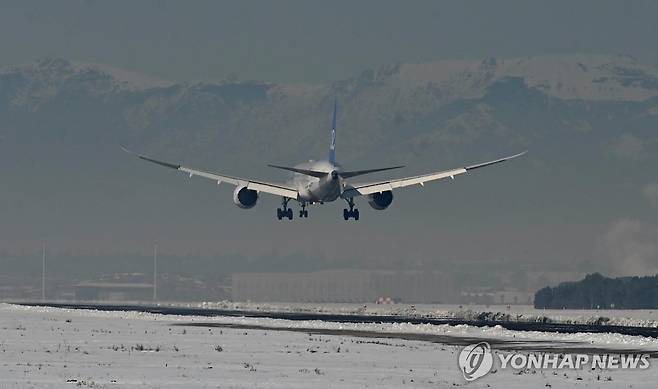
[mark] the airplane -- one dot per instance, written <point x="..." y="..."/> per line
<point x="318" y="182"/>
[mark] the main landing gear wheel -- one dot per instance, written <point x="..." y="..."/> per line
<point x="285" y="212"/>
<point x="280" y="214"/>
<point x="352" y="212"/>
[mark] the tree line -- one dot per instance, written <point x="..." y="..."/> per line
<point x="598" y="292"/>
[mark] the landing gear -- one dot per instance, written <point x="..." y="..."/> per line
<point x="303" y="212"/>
<point x="352" y="212"/>
<point x="280" y="214"/>
<point x="285" y="212"/>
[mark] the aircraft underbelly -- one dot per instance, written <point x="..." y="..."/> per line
<point x="331" y="193"/>
<point x="327" y="191"/>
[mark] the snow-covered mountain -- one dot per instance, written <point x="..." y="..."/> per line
<point x="402" y="109"/>
<point x="395" y="102"/>
<point x="583" y="77"/>
<point x="406" y="87"/>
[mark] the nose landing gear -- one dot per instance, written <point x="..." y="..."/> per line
<point x="352" y="212"/>
<point x="303" y="212"/>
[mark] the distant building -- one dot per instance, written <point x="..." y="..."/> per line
<point x="513" y="297"/>
<point x="111" y="291"/>
<point x="501" y="297"/>
<point x="343" y="286"/>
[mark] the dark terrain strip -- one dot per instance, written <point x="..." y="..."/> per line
<point x="358" y="318"/>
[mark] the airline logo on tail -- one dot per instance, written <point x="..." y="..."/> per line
<point x="332" y="146"/>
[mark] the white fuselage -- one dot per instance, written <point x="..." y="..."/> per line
<point x="314" y="189"/>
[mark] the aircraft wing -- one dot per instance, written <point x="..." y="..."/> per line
<point x="377" y="187"/>
<point x="275" y="189"/>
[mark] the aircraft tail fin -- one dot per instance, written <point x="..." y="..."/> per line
<point x="332" y="145"/>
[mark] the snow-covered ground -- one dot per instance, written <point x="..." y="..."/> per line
<point x="49" y="347"/>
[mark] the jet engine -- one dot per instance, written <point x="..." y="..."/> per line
<point x="245" y="198"/>
<point x="380" y="200"/>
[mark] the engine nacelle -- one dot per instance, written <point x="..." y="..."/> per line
<point x="381" y="200"/>
<point x="245" y="198"/>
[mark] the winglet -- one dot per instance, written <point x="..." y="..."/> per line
<point x="145" y="158"/>
<point x="126" y="150"/>
<point x="479" y="165"/>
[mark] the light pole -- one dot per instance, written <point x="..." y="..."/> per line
<point x="43" y="271"/>
<point x="155" y="271"/>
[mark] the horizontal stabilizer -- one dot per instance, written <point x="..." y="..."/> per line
<point x="362" y="172"/>
<point x="312" y="173"/>
<point x="319" y="174"/>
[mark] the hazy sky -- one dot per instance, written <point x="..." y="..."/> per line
<point x="314" y="41"/>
